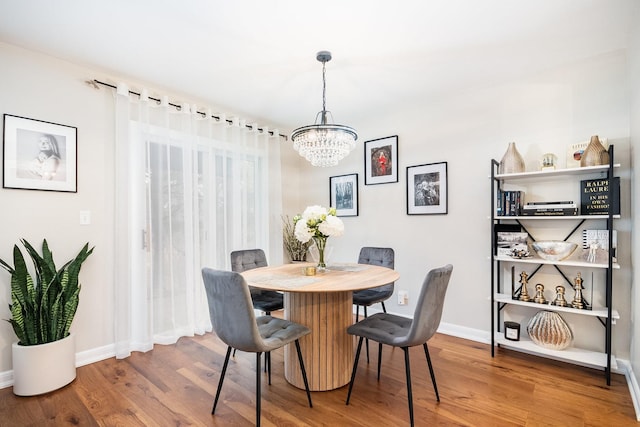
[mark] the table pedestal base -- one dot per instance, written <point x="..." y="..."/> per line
<point x="328" y="351"/>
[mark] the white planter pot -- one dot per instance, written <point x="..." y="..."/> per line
<point x="39" y="369"/>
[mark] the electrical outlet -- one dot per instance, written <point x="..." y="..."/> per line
<point x="403" y="297"/>
<point x="85" y="217"/>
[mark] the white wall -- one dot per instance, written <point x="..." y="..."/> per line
<point x="541" y="113"/>
<point x="43" y="88"/>
<point x="634" y="85"/>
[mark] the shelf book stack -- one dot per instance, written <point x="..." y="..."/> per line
<point x="560" y="208"/>
<point x="509" y="203"/>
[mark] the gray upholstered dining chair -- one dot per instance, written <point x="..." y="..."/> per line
<point x="403" y="332"/>
<point x="235" y="323"/>
<point x="384" y="257"/>
<point x="263" y="300"/>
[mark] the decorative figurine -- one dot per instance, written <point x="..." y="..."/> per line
<point x="539" y="298"/>
<point x="524" y="294"/>
<point x="593" y="251"/>
<point x="577" y="297"/>
<point x="559" y="300"/>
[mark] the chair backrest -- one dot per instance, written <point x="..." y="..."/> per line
<point x="384" y="257"/>
<point x="231" y="309"/>
<point x="247" y="259"/>
<point x="428" y="313"/>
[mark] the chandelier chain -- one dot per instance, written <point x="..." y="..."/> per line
<point x="324" y="86"/>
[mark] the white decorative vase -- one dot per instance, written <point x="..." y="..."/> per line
<point x="512" y="161"/>
<point x="39" y="369"/>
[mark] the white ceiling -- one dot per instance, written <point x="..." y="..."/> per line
<point x="256" y="58"/>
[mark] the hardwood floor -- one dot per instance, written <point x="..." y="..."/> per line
<point x="174" y="386"/>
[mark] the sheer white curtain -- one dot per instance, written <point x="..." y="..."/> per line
<point x="189" y="190"/>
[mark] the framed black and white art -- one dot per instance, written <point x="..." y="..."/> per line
<point x="427" y="192"/>
<point x="343" y="190"/>
<point x="381" y="160"/>
<point x="39" y="155"/>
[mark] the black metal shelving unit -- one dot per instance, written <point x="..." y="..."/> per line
<point x="500" y="299"/>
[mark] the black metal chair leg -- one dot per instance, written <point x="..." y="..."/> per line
<point x="355" y="366"/>
<point x="433" y="377"/>
<point x="267" y="361"/>
<point x="357" y="313"/>
<point x="258" y="383"/>
<point x="304" y="373"/>
<point x="267" y="313"/>
<point x="224" y="371"/>
<point x="379" y="358"/>
<point x="366" y="340"/>
<point x="384" y="309"/>
<point x="409" y="393"/>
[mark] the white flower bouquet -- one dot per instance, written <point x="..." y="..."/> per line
<point x="319" y="224"/>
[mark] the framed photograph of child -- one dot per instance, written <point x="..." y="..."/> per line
<point x="39" y="155"/>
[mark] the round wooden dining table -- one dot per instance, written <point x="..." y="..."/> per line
<point x="324" y="303"/>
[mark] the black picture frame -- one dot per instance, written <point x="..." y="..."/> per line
<point x="39" y="155"/>
<point x="343" y="194"/>
<point x="427" y="189"/>
<point x="381" y="160"/>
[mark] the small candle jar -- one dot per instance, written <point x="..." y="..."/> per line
<point x="512" y="331"/>
<point x="310" y="271"/>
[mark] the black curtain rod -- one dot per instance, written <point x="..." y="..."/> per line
<point x="95" y="82"/>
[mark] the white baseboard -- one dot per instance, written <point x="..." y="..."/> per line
<point x="95" y="355"/>
<point x="632" y="382"/>
<point x="6" y="379"/>
<point x="464" y="332"/>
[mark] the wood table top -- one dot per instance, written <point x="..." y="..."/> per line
<point x="337" y="277"/>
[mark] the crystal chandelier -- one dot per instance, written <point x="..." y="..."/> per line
<point x="324" y="144"/>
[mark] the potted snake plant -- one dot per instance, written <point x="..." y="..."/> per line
<point x="41" y="314"/>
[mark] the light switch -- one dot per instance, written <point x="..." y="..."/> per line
<point x="85" y="217"/>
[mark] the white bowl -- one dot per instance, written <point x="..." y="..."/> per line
<point x="554" y="250"/>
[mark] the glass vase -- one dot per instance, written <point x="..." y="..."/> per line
<point x="512" y="161"/>
<point x="595" y="154"/>
<point x="320" y="252"/>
